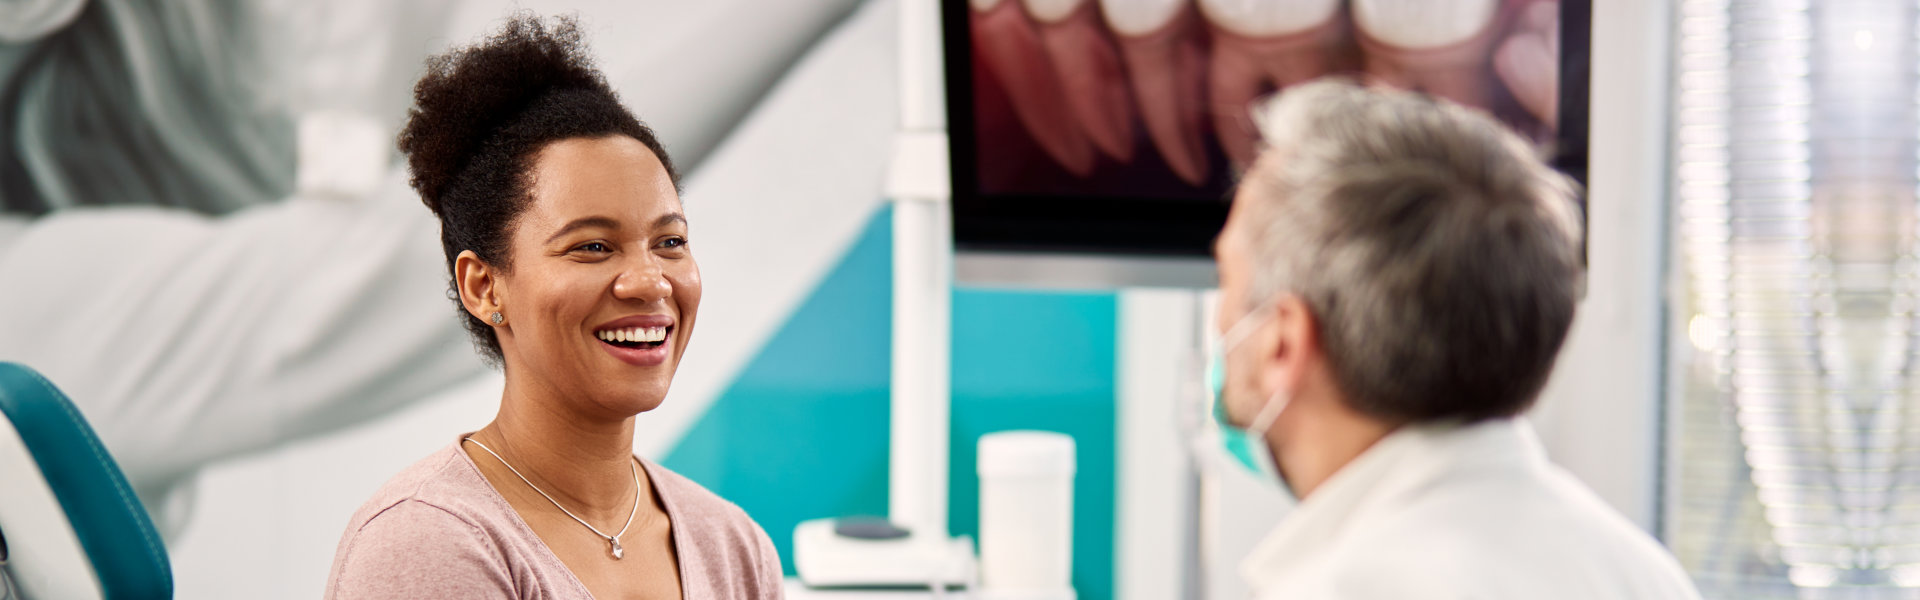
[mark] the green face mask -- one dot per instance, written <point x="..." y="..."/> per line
<point x="1248" y="446"/>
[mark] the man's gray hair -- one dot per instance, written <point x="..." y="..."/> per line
<point x="1440" y="256"/>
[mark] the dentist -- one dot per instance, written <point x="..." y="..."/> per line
<point x="1396" y="278"/>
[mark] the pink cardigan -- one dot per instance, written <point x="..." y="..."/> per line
<point x="439" y="530"/>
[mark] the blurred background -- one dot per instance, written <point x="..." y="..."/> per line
<point x="207" y="241"/>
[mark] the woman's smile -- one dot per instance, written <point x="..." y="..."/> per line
<point x="638" y="340"/>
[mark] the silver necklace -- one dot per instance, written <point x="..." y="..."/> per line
<point x="613" y="541"/>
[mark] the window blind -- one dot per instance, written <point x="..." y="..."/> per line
<point x="1794" y="449"/>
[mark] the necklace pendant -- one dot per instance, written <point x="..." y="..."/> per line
<point x="615" y="544"/>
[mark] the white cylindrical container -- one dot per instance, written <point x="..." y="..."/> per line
<point x="1026" y="513"/>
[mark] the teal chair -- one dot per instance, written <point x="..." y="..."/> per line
<point x="70" y="526"/>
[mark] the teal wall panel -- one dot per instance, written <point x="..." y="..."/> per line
<point x="1024" y="360"/>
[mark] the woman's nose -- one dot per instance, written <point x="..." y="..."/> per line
<point x="643" y="280"/>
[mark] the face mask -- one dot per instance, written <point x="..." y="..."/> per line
<point x="1247" y="446"/>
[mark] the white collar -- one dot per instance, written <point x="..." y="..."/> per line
<point x="1408" y="461"/>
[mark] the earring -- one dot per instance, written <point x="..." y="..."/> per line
<point x="498" y="319"/>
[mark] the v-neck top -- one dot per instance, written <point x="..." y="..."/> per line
<point x="439" y="530"/>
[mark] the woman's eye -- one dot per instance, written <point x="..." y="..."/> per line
<point x="673" y="242"/>
<point x="595" y="247"/>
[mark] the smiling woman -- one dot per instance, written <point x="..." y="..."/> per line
<point x="563" y="231"/>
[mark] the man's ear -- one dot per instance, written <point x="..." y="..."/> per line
<point x="1296" y="335"/>
<point x="478" y="284"/>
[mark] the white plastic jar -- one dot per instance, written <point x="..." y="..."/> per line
<point x="1026" y="514"/>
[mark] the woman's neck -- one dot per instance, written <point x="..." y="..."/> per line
<point x="583" y="462"/>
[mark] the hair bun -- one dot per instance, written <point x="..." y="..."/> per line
<point x="469" y="94"/>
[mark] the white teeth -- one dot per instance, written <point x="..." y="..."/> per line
<point x="1419" y="24"/>
<point x="1139" y="17"/>
<point x="1259" y="18"/>
<point x="1051" y="11"/>
<point x="985" y="5"/>
<point x="633" y="334"/>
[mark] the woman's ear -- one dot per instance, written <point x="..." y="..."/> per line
<point x="478" y="285"/>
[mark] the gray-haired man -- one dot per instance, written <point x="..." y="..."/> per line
<point x="1397" y="276"/>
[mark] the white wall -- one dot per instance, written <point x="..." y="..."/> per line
<point x="1599" y="416"/>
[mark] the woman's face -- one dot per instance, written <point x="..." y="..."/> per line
<point x="602" y="291"/>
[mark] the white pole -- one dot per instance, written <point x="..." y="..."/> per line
<point x="918" y="485"/>
<point x="923" y="95"/>
<point x="922" y="283"/>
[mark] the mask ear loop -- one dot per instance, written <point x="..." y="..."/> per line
<point x="1243" y="328"/>
<point x="1269" y="413"/>
<point x="1278" y="401"/>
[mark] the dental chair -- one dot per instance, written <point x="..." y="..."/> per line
<point x="70" y="526"/>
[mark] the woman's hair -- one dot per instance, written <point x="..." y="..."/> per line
<point x="480" y="115"/>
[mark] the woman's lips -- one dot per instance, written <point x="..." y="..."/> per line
<point x="639" y="340"/>
<point x="642" y="356"/>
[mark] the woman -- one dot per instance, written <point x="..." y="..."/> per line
<point x="562" y="227"/>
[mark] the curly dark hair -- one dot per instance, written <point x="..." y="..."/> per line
<point x="482" y="112"/>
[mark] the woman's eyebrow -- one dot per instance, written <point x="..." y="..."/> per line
<point x="583" y="223"/>
<point x="669" y="218"/>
